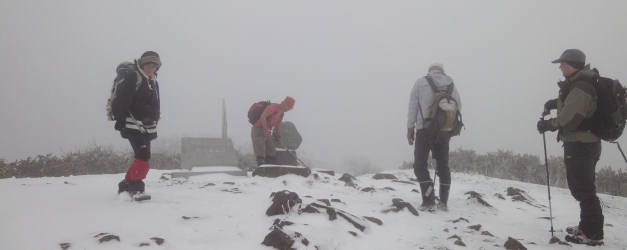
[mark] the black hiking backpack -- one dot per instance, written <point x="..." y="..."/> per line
<point x="121" y="71"/>
<point x="444" y="115"/>
<point x="255" y="111"/>
<point x="608" y="121"/>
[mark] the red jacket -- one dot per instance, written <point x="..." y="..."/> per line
<point x="274" y="117"/>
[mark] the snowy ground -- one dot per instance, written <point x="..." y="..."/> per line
<point x="41" y="213"/>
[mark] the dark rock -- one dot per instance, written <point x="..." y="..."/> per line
<point x="189" y="217"/>
<point x="159" y="241"/>
<point x="144" y="244"/>
<point x="208" y="185"/>
<point x="445" y="230"/>
<point x="415" y="190"/>
<point x="514" y="244"/>
<point x="405" y="182"/>
<point x="460" y="243"/>
<point x="389" y="188"/>
<point x="325" y="201"/>
<point x="336" y="200"/>
<point x="384" y="176"/>
<point x="330" y="211"/>
<point x="276" y="171"/>
<point x="400" y="204"/>
<point x="307" y="196"/>
<point x="609" y="225"/>
<point x="316" y="176"/>
<point x="487" y="233"/>
<point x="105" y="237"/>
<point x="65" y="245"/>
<point x="348" y="180"/>
<point x="368" y="189"/>
<point x="500" y="196"/>
<point x="281" y="223"/>
<point x="475" y="227"/>
<point x="310" y="210"/>
<point x="352" y="222"/>
<point x="477" y="197"/>
<point x="460" y="219"/>
<point x="282" y="202"/>
<point x="232" y="190"/>
<point x="558" y="241"/>
<point x="229" y="183"/>
<point x="352" y="233"/>
<point x="374" y="220"/>
<point x="305" y="241"/>
<point x="455" y="236"/>
<point x="279" y="240"/>
<point x="511" y="191"/>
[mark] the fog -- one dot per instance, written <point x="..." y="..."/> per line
<point x="350" y="65"/>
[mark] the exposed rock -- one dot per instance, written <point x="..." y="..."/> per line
<point x="521" y="195"/>
<point x="500" y="196"/>
<point x="405" y="182"/>
<point x="159" y="241"/>
<point x="353" y="222"/>
<point x="352" y="233"/>
<point x="106" y="237"/>
<point x="389" y="188"/>
<point x="487" y="233"/>
<point x="558" y="241"/>
<point x="367" y="189"/>
<point x="305" y="241"/>
<point x="609" y="225"/>
<point x="282" y="202"/>
<point x="309" y="209"/>
<point x="336" y="200"/>
<point x="415" y="190"/>
<point x="400" y="204"/>
<point x="348" y="180"/>
<point x="475" y="227"/>
<point x="477" y="196"/>
<point x="281" y="223"/>
<point x="274" y="171"/>
<point x="229" y="183"/>
<point x="189" y="217"/>
<point x="514" y="244"/>
<point x="384" y="176"/>
<point x="65" y="245"/>
<point x="330" y="211"/>
<point x="232" y="190"/>
<point x="315" y="176"/>
<point x="455" y="236"/>
<point x="460" y="219"/>
<point x="208" y="185"/>
<point x="144" y="244"/>
<point x="374" y="220"/>
<point x="325" y="201"/>
<point x="279" y="240"/>
<point x="460" y="243"/>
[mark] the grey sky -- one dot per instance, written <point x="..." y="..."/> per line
<point x="349" y="64"/>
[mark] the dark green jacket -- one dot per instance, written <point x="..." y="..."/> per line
<point x="577" y="101"/>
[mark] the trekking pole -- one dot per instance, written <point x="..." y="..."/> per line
<point x="621" y="150"/>
<point x="548" y="186"/>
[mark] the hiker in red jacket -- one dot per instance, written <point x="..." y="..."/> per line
<point x="269" y="121"/>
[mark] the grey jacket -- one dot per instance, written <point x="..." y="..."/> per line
<point x="422" y="92"/>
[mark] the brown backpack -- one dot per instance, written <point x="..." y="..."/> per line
<point x="444" y="115"/>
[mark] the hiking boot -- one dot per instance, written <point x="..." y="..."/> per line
<point x="122" y="186"/>
<point x="580" y="238"/>
<point x="428" y="197"/>
<point x="444" y="190"/>
<point x="572" y="230"/>
<point x="131" y="187"/>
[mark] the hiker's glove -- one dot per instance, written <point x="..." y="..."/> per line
<point x="120" y="124"/>
<point x="411" y="135"/>
<point x="545" y="125"/>
<point x="548" y="106"/>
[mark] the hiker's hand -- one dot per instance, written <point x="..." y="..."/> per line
<point x="545" y="125"/>
<point x="548" y="106"/>
<point x="410" y="135"/>
<point x="120" y="124"/>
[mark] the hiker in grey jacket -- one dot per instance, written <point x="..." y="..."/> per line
<point x="420" y="102"/>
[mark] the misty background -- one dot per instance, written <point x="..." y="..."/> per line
<point x="350" y="65"/>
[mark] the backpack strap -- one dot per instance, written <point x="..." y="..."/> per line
<point x="449" y="88"/>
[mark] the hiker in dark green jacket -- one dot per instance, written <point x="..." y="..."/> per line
<point x="575" y="106"/>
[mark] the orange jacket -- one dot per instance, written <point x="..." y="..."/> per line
<point x="273" y="118"/>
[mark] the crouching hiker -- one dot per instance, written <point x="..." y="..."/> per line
<point x="134" y="105"/>
<point x="433" y="117"/>
<point x="266" y="119"/>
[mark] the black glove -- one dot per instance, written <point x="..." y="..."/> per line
<point x="120" y="124"/>
<point x="545" y="125"/>
<point x="548" y="106"/>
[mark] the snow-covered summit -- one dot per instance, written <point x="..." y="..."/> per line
<point x="220" y="211"/>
